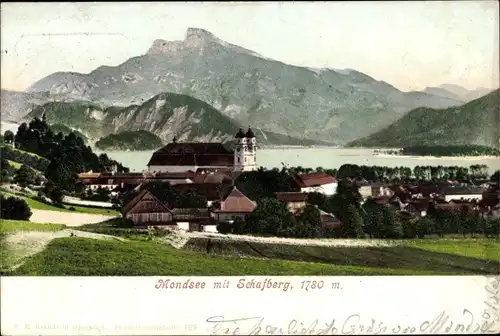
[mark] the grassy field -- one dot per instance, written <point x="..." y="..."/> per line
<point x="476" y="248"/>
<point x="34" y="204"/>
<point x="212" y="257"/>
<point x="7" y="225"/>
<point x="407" y="255"/>
<point x="83" y="256"/>
<point x="14" y="164"/>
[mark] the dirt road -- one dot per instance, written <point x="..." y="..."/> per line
<point x="70" y="219"/>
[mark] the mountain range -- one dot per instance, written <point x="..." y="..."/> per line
<point x="284" y="101"/>
<point x="476" y="122"/>
<point x="165" y="115"/>
<point x="456" y="92"/>
<point x="322" y="104"/>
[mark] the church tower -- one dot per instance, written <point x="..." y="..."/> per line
<point x="245" y="151"/>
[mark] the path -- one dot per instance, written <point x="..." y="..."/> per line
<point x="78" y="201"/>
<point x="70" y="219"/>
<point x="23" y="244"/>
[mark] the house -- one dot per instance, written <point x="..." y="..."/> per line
<point x="213" y="192"/>
<point x="295" y="201"/>
<point x="234" y="205"/>
<point x="198" y="156"/>
<point x="375" y="190"/>
<point x="316" y="182"/>
<point x="450" y="193"/>
<point x="417" y="207"/>
<point x="111" y="181"/>
<point x="172" y="177"/>
<point x="193" y="219"/>
<point x="329" y="221"/>
<point x="146" y="209"/>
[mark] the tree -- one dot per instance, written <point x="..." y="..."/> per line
<point x="424" y="226"/>
<point x="25" y="176"/>
<point x="352" y="222"/>
<point x="268" y="218"/>
<point x="8" y="137"/>
<point x="14" y="208"/>
<point x="56" y="195"/>
<point x="308" y="223"/>
<point x="495" y="177"/>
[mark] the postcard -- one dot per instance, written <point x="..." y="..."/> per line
<point x="250" y="168"/>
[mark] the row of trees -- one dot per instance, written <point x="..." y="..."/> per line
<point x="34" y="161"/>
<point x="389" y="174"/>
<point x="373" y="220"/>
<point x="23" y="176"/>
<point x="458" y="150"/>
<point x="68" y="154"/>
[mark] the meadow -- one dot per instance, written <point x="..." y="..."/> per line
<point x="146" y="255"/>
<point x="38" y="205"/>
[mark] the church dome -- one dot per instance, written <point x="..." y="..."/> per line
<point x="240" y="134"/>
<point x="249" y="133"/>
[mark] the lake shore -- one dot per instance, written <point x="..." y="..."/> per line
<point x="427" y="157"/>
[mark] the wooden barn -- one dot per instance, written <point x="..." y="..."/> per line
<point x="146" y="209"/>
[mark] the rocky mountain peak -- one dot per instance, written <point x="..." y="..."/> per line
<point x="195" y="37"/>
<point x="199" y="34"/>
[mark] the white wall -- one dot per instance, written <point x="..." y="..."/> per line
<point x="210" y="228"/>
<point x="327" y="189"/>
<point x="448" y="198"/>
<point x="183" y="225"/>
<point x="226" y="217"/>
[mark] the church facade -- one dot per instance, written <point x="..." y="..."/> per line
<point x="198" y="156"/>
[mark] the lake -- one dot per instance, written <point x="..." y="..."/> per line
<point x="322" y="157"/>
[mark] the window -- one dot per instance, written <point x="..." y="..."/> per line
<point x="245" y="159"/>
<point x="238" y="160"/>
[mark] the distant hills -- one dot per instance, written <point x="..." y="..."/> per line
<point x="323" y="104"/>
<point x="456" y="92"/>
<point x="476" y="122"/>
<point x="165" y="115"/>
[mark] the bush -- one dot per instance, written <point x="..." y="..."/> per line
<point x="224" y="228"/>
<point x="14" y="208"/>
<point x="72" y="208"/>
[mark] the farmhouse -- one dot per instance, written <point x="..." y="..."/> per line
<point x="146" y="209"/>
<point x="316" y="182"/>
<point x="233" y="206"/>
<point x="211" y="156"/>
<point x="295" y="201"/>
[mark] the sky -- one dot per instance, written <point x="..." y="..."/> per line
<point x="410" y="45"/>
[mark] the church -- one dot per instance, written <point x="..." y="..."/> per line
<point x="197" y="156"/>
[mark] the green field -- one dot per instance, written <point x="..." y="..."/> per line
<point x="14" y="164"/>
<point x="475" y="248"/>
<point x="84" y="256"/>
<point x="34" y="204"/>
<point x="147" y="255"/>
<point x="8" y="225"/>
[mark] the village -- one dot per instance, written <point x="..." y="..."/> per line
<point x="212" y="171"/>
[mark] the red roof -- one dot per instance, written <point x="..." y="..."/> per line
<point x="237" y="202"/>
<point x="313" y="179"/>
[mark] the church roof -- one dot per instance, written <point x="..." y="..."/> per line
<point x="192" y="154"/>
<point x="240" y="134"/>
<point x="250" y="133"/>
